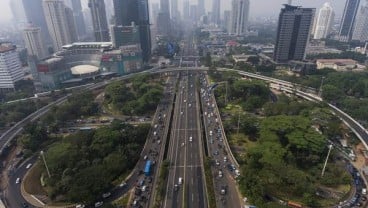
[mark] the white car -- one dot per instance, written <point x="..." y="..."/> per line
<point x="17" y="181"/>
<point x="98" y="204"/>
<point x="29" y="165"/>
<point x="105" y="195"/>
<point x="190" y="139"/>
<point x="144" y="188"/>
<point x="123" y="184"/>
<point x="80" y="206"/>
<point x="180" y="181"/>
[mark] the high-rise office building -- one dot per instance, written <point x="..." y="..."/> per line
<point x="163" y="18"/>
<point x="193" y="11"/>
<point x="293" y="33"/>
<point x="164" y="6"/>
<point x="128" y="11"/>
<point x="174" y="10"/>
<point x="125" y="35"/>
<point x="58" y="23"/>
<point x="324" y="21"/>
<point x="348" y="20"/>
<point x="36" y="16"/>
<point x="10" y="66"/>
<point x="216" y="5"/>
<point x="201" y="8"/>
<point x="227" y="21"/>
<point x="186" y="10"/>
<point x="155" y="9"/>
<point x="239" y="18"/>
<point x="78" y="17"/>
<point x="18" y="11"/>
<point x="100" y="27"/>
<point x="361" y="26"/>
<point x="34" y="42"/>
<point x="70" y="21"/>
<point x="109" y="6"/>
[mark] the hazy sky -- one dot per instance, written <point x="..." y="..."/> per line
<point x="258" y="7"/>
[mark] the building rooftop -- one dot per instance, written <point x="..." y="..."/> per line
<point x="337" y="61"/>
<point x="83" y="69"/>
<point x="5" y="47"/>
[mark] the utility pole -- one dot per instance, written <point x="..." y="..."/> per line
<point x="44" y="161"/>
<point x="320" y="87"/>
<point x="328" y="154"/>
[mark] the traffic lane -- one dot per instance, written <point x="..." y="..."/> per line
<point x="171" y="197"/>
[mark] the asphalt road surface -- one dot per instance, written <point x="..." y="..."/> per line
<point x="185" y="150"/>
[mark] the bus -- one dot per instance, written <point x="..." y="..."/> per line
<point x="147" y="168"/>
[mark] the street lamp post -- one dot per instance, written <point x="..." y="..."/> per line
<point x="328" y="154"/>
<point x="44" y="161"/>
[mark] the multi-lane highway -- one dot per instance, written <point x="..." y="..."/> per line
<point x="185" y="185"/>
<point x="223" y="165"/>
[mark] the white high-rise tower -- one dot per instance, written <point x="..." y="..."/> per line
<point x="58" y="24"/>
<point x="325" y="21"/>
<point x="34" y="42"/>
<point x="361" y="25"/>
<point x="239" y="18"/>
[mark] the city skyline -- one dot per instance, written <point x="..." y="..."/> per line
<point x="257" y="8"/>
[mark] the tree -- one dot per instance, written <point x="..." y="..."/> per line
<point x="254" y="60"/>
<point x="331" y="93"/>
<point x="208" y="60"/>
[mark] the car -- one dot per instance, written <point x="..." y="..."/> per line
<point x="216" y="152"/>
<point x="145" y="157"/>
<point x="223" y="190"/>
<point x="141" y="183"/>
<point x="80" y="206"/>
<point x="237" y="172"/>
<point x="144" y="188"/>
<point x="98" y="204"/>
<point x="123" y="184"/>
<point x="190" y="105"/>
<point x="181" y="113"/>
<point x="190" y="138"/>
<point x="158" y="141"/>
<point x="29" y="165"/>
<point x="180" y="181"/>
<point x="225" y="159"/>
<point x="185" y="101"/>
<point x="106" y="195"/>
<point x="155" y="126"/>
<point x="182" y="144"/>
<point x="17" y="181"/>
<point x="176" y="187"/>
<point x="217" y="162"/>
<point x="154" y="133"/>
<point x="220" y="174"/>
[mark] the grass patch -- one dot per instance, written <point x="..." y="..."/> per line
<point x="123" y="201"/>
<point x="32" y="183"/>
<point x="160" y="189"/>
<point x="209" y="183"/>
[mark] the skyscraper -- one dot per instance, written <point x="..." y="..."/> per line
<point x="34" y="42"/>
<point x="193" y="12"/>
<point x="174" y="10"/>
<point x="70" y="21"/>
<point x="57" y="23"/>
<point x="348" y="20"/>
<point x="324" y="22"/>
<point x="128" y="11"/>
<point x="99" y="21"/>
<point x="17" y="10"/>
<point x="239" y="18"/>
<point x="186" y="10"/>
<point x="163" y="18"/>
<point x="124" y="35"/>
<point x="292" y="33"/>
<point x="10" y="66"/>
<point x="216" y="11"/>
<point x="361" y="26"/>
<point x="36" y="16"/>
<point x="164" y="6"/>
<point x="201" y="8"/>
<point x="78" y="17"/>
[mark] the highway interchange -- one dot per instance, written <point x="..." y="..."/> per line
<point x="194" y="163"/>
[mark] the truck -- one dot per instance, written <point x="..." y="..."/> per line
<point x="147" y="168"/>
